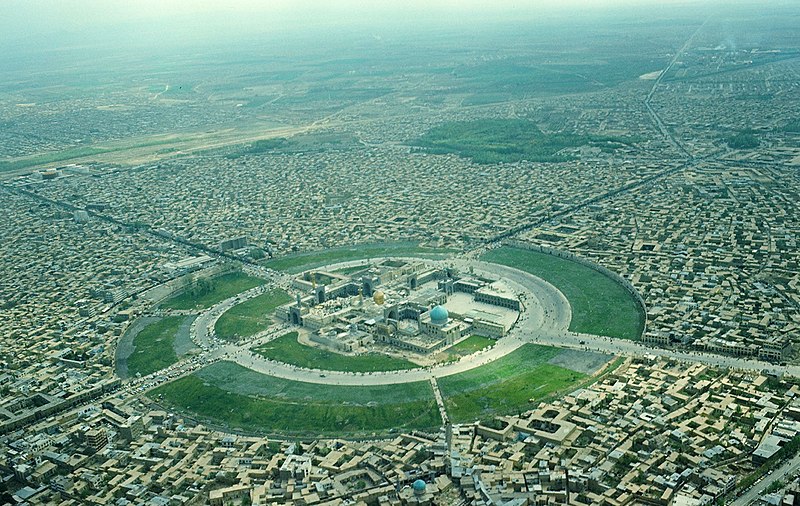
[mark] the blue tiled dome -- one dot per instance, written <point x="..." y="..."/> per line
<point x="439" y="315"/>
<point x="419" y="485"/>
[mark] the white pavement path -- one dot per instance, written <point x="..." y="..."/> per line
<point x="437" y="394"/>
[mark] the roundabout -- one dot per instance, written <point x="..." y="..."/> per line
<point x="385" y="368"/>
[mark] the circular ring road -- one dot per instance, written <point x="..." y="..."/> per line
<point x="546" y="314"/>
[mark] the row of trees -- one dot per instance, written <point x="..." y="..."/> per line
<point x="197" y="287"/>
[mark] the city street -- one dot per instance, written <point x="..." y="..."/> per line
<point x="788" y="469"/>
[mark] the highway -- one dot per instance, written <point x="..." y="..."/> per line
<point x="657" y="121"/>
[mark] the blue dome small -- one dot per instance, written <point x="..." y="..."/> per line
<point x="439" y="315"/>
<point x="419" y="486"/>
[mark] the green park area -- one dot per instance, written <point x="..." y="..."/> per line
<point x="509" y="140"/>
<point x="204" y="293"/>
<point x="466" y="347"/>
<point x="251" y="316"/>
<point x="286" y="349"/>
<point x="309" y="260"/>
<point x="471" y="345"/>
<point x="154" y="346"/>
<point x="746" y="139"/>
<point x="510" y="385"/>
<point x="600" y="305"/>
<point x="234" y="397"/>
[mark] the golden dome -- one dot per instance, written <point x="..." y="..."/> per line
<point x="379" y="297"/>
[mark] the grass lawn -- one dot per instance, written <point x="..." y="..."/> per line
<point x="230" y="395"/>
<point x="222" y="288"/>
<point x="466" y="347"/>
<point x="250" y="317"/>
<point x="286" y="349"/>
<point x="505" y="386"/>
<point x="153" y="346"/>
<point x="600" y="305"/>
<point x="470" y="345"/>
<point x="304" y="261"/>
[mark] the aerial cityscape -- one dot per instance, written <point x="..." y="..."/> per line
<point x="405" y="253"/>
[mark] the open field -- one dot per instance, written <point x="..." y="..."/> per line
<point x="154" y="346"/>
<point x="222" y="288"/>
<point x="505" y="386"/>
<point x="45" y="158"/>
<point x="599" y="304"/>
<point x="251" y="316"/>
<point x="153" y="148"/>
<point x="304" y="261"/>
<point x="286" y="349"/>
<point x="230" y="395"/>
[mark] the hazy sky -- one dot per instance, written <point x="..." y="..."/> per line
<point x="33" y="17"/>
<point x="49" y="24"/>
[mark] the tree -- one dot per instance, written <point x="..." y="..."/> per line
<point x="742" y="140"/>
<point x="201" y="287"/>
<point x="257" y="253"/>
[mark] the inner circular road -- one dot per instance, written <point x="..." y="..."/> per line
<point x="546" y="314"/>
